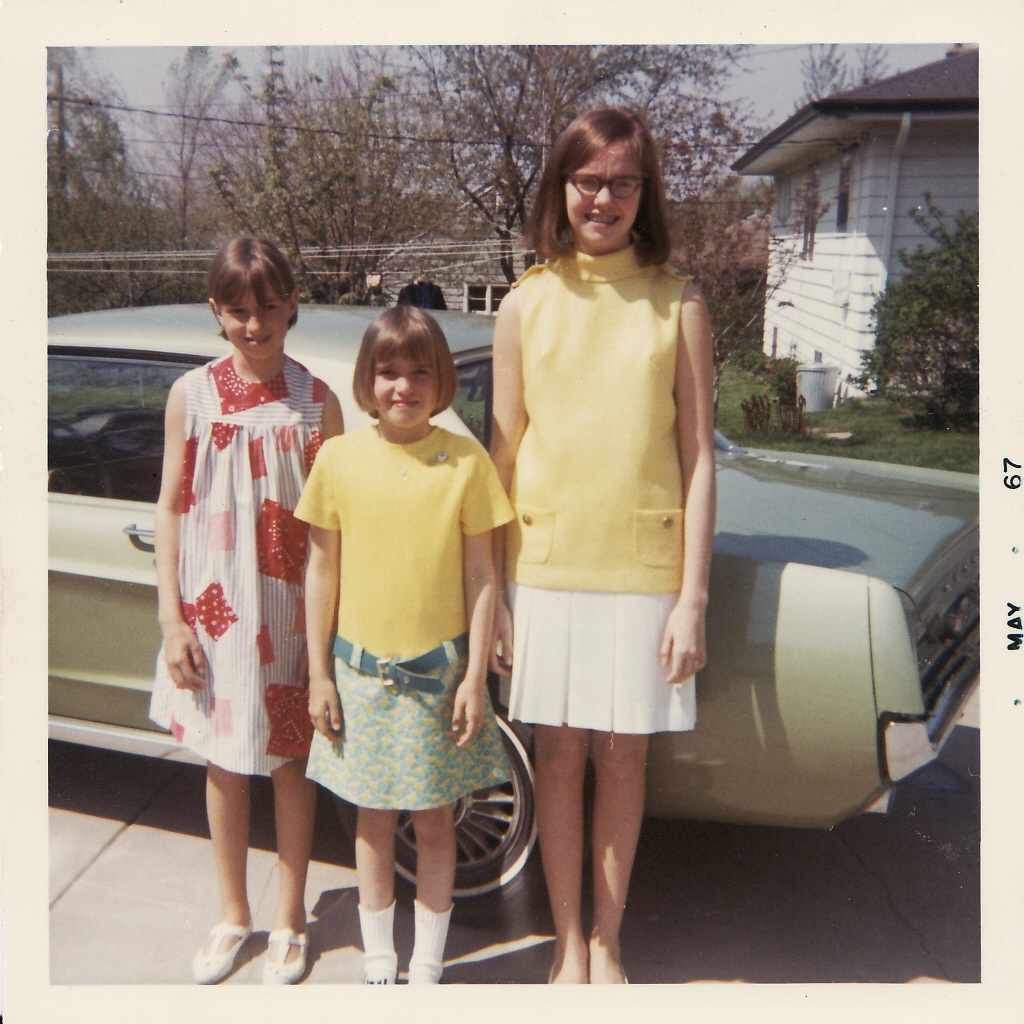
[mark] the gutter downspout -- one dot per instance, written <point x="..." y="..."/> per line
<point x="894" y="179"/>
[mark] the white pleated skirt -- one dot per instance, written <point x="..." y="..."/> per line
<point x="591" y="660"/>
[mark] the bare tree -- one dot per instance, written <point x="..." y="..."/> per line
<point x="722" y="238"/>
<point x="98" y="206"/>
<point x="194" y="86"/>
<point x="498" y="110"/>
<point x="328" y="160"/>
<point x="827" y="71"/>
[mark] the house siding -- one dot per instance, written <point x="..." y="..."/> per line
<point x="822" y="307"/>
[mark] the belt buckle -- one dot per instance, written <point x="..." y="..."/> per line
<point x="383" y="668"/>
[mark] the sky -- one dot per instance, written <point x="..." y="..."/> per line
<point x="767" y="77"/>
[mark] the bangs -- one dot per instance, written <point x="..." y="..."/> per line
<point x="593" y="142"/>
<point x="260" y="277"/>
<point x="404" y="332"/>
<point x="416" y="345"/>
<point x="249" y="264"/>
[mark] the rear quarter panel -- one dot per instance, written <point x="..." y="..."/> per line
<point x="787" y="728"/>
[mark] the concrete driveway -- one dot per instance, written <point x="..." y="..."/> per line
<point x="877" y="899"/>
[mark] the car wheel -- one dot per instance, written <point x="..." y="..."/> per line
<point x="495" y="828"/>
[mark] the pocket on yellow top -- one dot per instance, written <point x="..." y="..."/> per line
<point x="659" y="537"/>
<point x="536" y="527"/>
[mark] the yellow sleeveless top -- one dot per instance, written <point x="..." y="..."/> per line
<point x="597" y="486"/>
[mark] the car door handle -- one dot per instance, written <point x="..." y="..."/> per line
<point x="140" y="538"/>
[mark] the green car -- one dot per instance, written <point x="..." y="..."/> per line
<point x="842" y="625"/>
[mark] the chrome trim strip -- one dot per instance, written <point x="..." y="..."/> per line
<point x="122" y="740"/>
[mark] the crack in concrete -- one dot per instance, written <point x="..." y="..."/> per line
<point x="891" y="902"/>
<point x="125" y="825"/>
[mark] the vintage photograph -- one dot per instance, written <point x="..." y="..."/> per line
<point x="513" y="517"/>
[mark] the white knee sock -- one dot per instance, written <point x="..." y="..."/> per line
<point x="380" y="963"/>
<point x="428" y="948"/>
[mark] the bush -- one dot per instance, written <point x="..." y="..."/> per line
<point x="750" y="359"/>
<point x="926" y="324"/>
<point x="781" y="380"/>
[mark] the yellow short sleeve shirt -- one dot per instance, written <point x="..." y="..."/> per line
<point x="402" y="511"/>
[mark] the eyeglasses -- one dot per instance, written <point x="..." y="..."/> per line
<point x="590" y="185"/>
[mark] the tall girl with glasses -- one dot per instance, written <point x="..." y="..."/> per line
<point x="604" y="438"/>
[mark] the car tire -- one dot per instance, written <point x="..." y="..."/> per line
<point x="495" y="828"/>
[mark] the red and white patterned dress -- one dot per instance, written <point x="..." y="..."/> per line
<point x="248" y="451"/>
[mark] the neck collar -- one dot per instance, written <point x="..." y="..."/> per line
<point x="612" y="267"/>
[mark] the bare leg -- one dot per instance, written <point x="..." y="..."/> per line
<point x="294" y="817"/>
<point x="375" y="857"/>
<point x="619" y="765"/>
<point x="435" y="856"/>
<point x="561" y="761"/>
<point x="227" y="809"/>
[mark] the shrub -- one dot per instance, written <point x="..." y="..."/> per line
<point x="750" y="358"/>
<point x="781" y="380"/>
<point x="926" y="324"/>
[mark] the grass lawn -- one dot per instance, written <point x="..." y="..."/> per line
<point x="879" y="429"/>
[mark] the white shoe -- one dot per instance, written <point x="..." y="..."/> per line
<point x="212" y="963"/>
<point x="277" y="968"/>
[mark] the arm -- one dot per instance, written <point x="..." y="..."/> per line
<point x="478" y="586"/>
<point x="332" y="423"/>
<point x="182" y="651"/>
<point x="322" y="586"/>
<point x="331" y="420"/>
<point x="683" y="648"/>
<point x="510" y="421"/>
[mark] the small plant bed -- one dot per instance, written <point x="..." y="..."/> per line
<point x="882" y="430"/>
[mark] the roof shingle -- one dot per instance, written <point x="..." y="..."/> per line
<point x="950" y="81"/>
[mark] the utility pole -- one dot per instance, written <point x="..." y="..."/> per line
<point x="62" y="173"/>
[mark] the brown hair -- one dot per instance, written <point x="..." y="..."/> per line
<point x="548" y="228"/>
<point x="412" y="333"/>
<point x="250" y="264"/>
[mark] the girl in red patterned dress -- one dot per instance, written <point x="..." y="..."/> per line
<point x="241" y="434"/>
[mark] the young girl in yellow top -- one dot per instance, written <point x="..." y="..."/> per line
<point x="240" y="435"/>
<point x="604" y="436"/>
<point x="401" y="566"/>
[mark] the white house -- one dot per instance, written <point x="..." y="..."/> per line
<point x="848" y="170"/>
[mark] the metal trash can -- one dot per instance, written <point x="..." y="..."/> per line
<point x="816" y="384"/>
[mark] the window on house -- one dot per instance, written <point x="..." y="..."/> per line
<point x="784" y="193"/>
<point x="810" y="211"/>
<point x="843" y="198"/>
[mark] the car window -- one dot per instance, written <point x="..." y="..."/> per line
<point x="105" y="424"/>
<point x="473" y="398"/>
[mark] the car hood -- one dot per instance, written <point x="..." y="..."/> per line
<point x="896" y="523"/>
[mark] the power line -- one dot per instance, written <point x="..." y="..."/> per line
<point x="86" y="101"/>
<point x="394" y="258"/>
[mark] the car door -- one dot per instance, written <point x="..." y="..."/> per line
<point x="104" y="452"/>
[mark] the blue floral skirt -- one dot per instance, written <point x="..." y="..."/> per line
<point x="397" y="750"/>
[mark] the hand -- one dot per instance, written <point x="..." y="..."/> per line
<point x="325" y="707"/>
<point x="501" y="639"/>
<point x="469" y="711"/>
<point x="183" y="653"/>
<point x="683" y="650"/>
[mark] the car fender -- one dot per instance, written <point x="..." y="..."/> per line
<point x="787" y="726"/>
